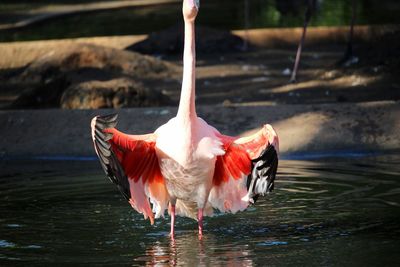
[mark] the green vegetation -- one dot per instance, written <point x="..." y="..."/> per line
<point x="222" y="14"/>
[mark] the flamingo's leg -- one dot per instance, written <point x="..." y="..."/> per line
<point x="200" y="221"/>
<point x="307" y="17"/>
<point x="348" y="55"/>
<point x="172" y="233"/>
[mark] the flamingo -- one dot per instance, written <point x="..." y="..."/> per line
<point x="186" y="165"/>
<point x="348" y="55"/>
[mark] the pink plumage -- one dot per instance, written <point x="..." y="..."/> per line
<point x="186" y="165"/>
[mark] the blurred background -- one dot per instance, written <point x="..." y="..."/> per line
<point x="130" y="19"/>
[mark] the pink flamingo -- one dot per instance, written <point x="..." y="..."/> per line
<point x="186" y="163"/>
<point x="348" y="55"/>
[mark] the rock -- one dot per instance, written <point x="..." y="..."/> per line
<point x="89" y="76"/>
<point x="74" y="57"/>
<point x="115" y="93"/>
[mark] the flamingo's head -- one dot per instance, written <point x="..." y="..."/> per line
<point x="190" y="9"/>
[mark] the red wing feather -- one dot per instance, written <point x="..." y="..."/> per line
<point x="235" y="163"/>
<point x="131" y="162"/>
<point x="235" y="184"/>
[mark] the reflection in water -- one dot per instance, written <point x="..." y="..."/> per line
<point x="65" y="213"/>
<point x="188" y="250"/>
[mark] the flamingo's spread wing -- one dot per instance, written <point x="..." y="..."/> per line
<point x="246" y="170"/>
<point x="131" y="163"/>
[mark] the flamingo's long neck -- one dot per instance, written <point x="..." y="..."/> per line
<point x="187" y="108"/>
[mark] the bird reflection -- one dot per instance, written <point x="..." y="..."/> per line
<point x="188" y="250"/>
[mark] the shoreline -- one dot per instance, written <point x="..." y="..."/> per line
<point x="370" y="127"/>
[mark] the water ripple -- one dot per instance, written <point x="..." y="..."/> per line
<point x="69" y="213"/>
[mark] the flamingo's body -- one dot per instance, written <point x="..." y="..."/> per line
<point x="186" y="163"/>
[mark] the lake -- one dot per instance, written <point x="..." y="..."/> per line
<point x="337" y="211"/>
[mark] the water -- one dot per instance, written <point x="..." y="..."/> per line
<point x="222" y="14"/>
<point x="329" y="212"/>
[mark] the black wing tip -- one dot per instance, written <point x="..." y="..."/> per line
<point x="262" y="177"/>
<point x="106" y="121"/>
<point x="108" y="160"/>
<point x="108" y="117"/>
<point x="268" y="152"/>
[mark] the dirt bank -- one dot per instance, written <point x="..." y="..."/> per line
<point x="258" y="75"/>
<point x="332" y="107"/>
<point x="368" y="127"/>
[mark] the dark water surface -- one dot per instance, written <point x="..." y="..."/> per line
<point x="329" y="212"/>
